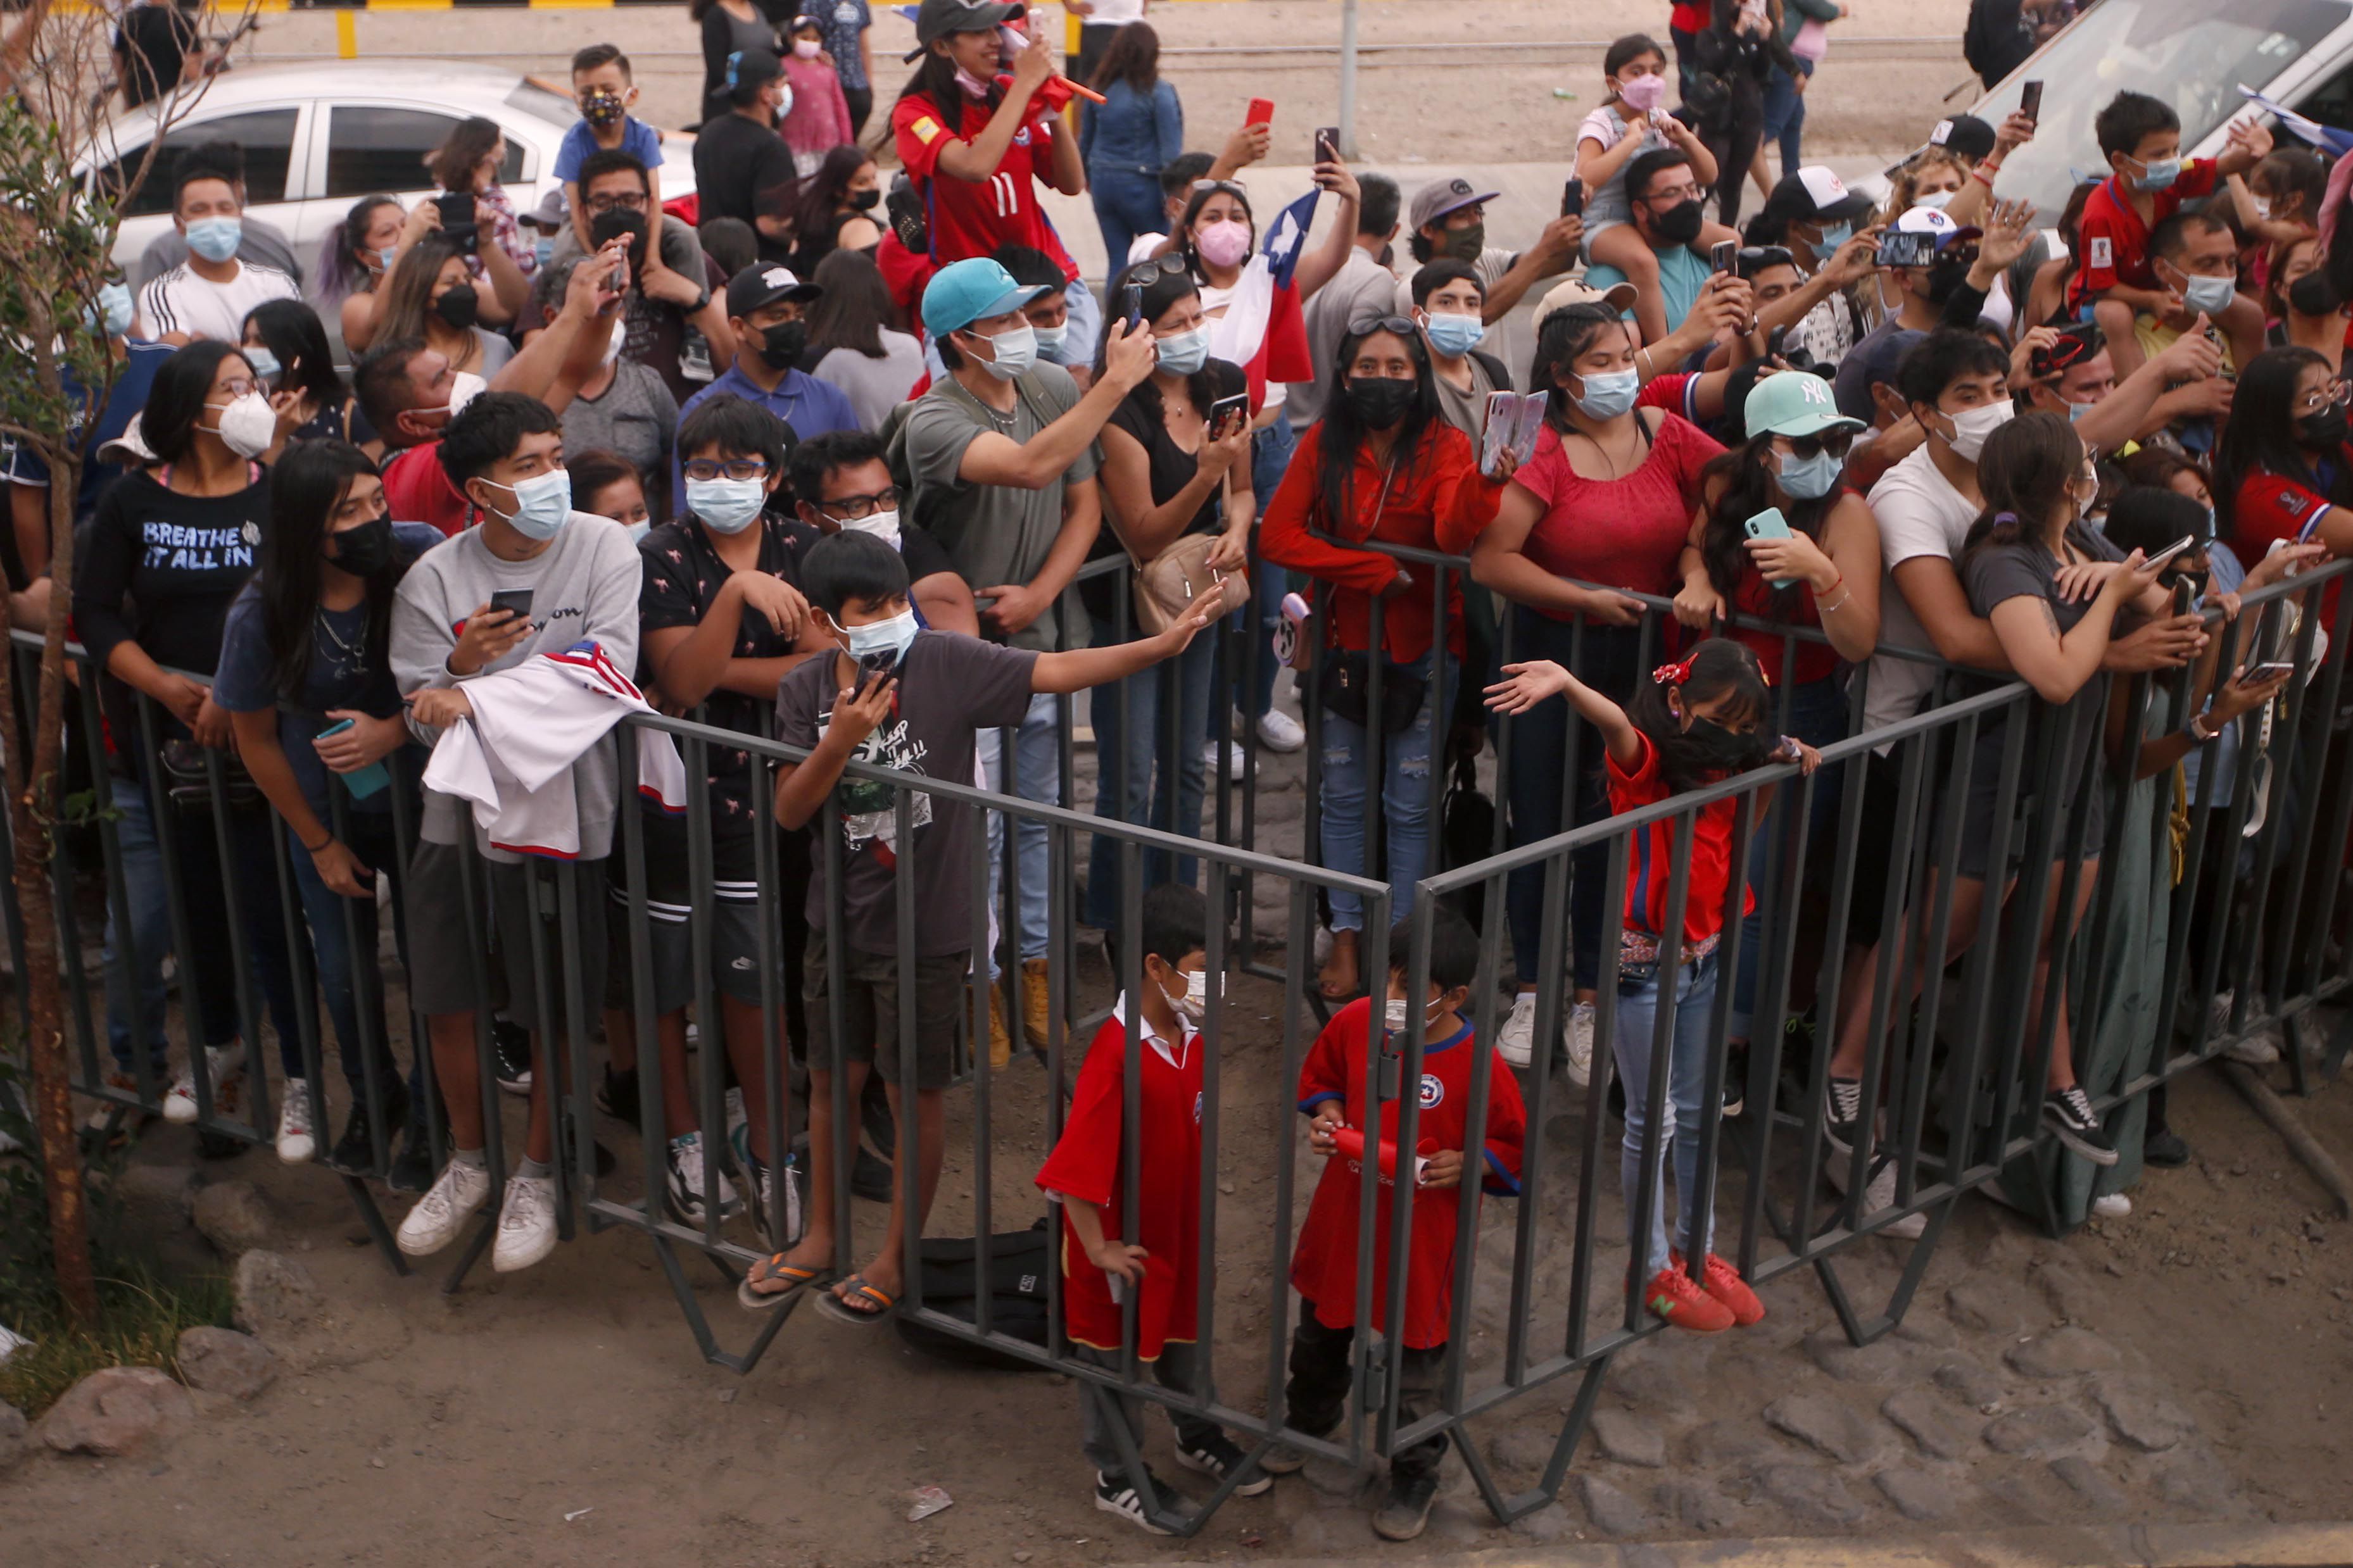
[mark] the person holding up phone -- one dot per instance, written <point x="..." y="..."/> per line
<point x="431" y="294"/>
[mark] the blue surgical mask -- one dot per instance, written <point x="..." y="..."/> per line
<point x="1808" y="478"/>
<point x="2076" y="411"/>
<point x="543" y="249"/>
<point x="1049" y="343"/>
<point x="1185" y="353"/>
<point x="2157" y="175"/>
<point x="215" y="238"/>
<point x="1608" y="394"/>
<point x="387" y="256"/>
<point x="2211" y="295"/>
<point x="542" y="503"/>
<point x="1454" y="336"/>
<point x="265" y="363"/>
<point x="1016" y="352"/>
<point x="110" y="310"/>
<point x="893" y="637"/>
<point x="726" y="506"/>
<point x="1834" y="237"/>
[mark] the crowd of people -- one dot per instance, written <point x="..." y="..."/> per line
<point x="821" y="461"/>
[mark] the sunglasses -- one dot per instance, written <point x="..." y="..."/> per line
<point x="2070" y="349"/>
<point x="1367" y="324"/>
<point x="1147" y="273"/>
<point x="1755" y="258"/>
<point x="1205" y="187"/>
<point x="1837" y="443"/>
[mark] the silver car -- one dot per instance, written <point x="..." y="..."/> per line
<point x="318" y="137"/>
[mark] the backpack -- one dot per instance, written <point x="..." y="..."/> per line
<point x="1498" y="371"/>
<point x="1019" y="1264"/>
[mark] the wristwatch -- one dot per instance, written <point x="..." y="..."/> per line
<point x="2198" y="732"/>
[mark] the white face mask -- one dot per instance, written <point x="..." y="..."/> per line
<point x="1194" y="1006"/>
<point x="1016" y="352"/>
<point x="464" y="387"/>
<point x="882" y="525"/>
<point x="1972" y="426"/>
<point x="247" y="426"/>
<point x="1394" y="1015"/>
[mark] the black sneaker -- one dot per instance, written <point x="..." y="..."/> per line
<point x="1115" y="1495"/>
<point x="1841" y="1111"/>
<point x="2068" y="1113"/>
<point x="1405" y="1511"/>
<point x="616" y="1097"/>
<point x="1219" y="1456"/>
<point x="511" y="1056"/>
<point x="1735" y="1081"/>
<point x="871" y="1176"/>
<point x="2166" y="1150"/>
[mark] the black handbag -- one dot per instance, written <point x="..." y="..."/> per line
<point x="188" y="781"/>
<point x="1466" y="834"/>
<point x="1345" y="686"/>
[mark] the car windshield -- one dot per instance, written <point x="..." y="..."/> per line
<point x="2194" y="54"/>
<point x="535" y="98"/>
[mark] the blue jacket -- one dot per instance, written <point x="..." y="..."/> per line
<point x="1133" y="133"/>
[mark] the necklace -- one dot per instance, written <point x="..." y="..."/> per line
<point x="351" y="652"/>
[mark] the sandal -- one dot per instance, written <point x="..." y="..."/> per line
<point x="796" y="1278"/>
<point x="837" y="1306"/>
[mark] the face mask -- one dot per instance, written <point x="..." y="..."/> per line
<point x="1224" y="243"/>
<point x="1834" y="237"/>
<point x="247" y="426"/>
<point x="1642" y="93"/>
<point x="114" y="308"/>
<point x="2211" y="295"/>
<point x="1680" y="224"/>
<point x="1943" y="277"/>
<point x="464" y="387"/>
<point x="2263" y="209"/>
<point x="215" y="238"/>
<point x="1397" y="1010"/>
<point x="1469" y="243"/>
<point x="726" y="506"/>
<point x="2322" y="431"/>
<point x="973" y="86"/>
<point x="1185" y="352"/>
<point x="1016" y="352"/>
<point x="457" y="306"/>
<point x="1972" y="426"/>
<point x="807" y="48"/>
<point x="543" y="250"/>
<point x="2157" y="175"/>
<point x="366" y="550"/>
<point x="265" y="363"/>
<point x="2076" y="411"/>
<point x="1939" y="200"/>
<point x="1379" y="401"/>
<point x="1194" y="1005"/>
<point x="1608" y="394"/>
<point x="1454" y="336"/>
<point x="782" y="344"/>
<point x="2311" y="295"/>
<point x="1050" y="341"/>
<point x="1709" y="747"/>
<point x="865" y="201"/>
<point x="542" y="503"/>
<point x="893" y="637"/>
<point x="882" y="525"/>
<point x="603" y="106"/>
<point x="1808" y="478"/>
<point x="616" y="340"/>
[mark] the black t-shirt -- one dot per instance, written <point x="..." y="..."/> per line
<point x="153" y="40"/>
<point x="741" y="169"/>
<point x="1172" y="468"/>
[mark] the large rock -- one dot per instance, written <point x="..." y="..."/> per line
<point x="1882" y="1360"/>
<point x="15" y="1435"/>
<point x="222" y="1360"/>
<point x="1523" y="1448"/>
<point x="1927" y="1421"/>
<point x="1611" y="1511"/>
<point x="2063" y="1353"/>
<point x="1628" y="1439"/>
<point x="1697" y="1505"/>
<point x="2142" y="1415"/>
<point x="1971" y="1383"/>
<point x="2039" y="1432"/>
<point x="2094" y="1491"/>
<point x="1815" y="1496"/>
<point x="1985" y="1305"/>
<point x="1823" y="1424"/>
<point x="117" y="1410"/>
<point x="274" y="1295"/>
<point x="1919" y="1496"/>
<point x="233" y="1216"/>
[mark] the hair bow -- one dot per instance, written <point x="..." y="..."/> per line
<point x="1672" y="674"/>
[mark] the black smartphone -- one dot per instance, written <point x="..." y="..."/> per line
<point x="1130" y="305"/>
<point x="1774" y="343"/>
<point x="1572" y="197"/>
<point x="1723" y="254"/>
<point x="2030" y="101"/>
<point x="1227" y="415"/>
<point x="1901" y="249"/>
<point x="457" y="208"/>
<point x="2185" y="596"/>
<point x="869" y="665"/>
<point x="518" y="600"/>
<point x="2172" y="550"/>
<point x="1327" y="144"/>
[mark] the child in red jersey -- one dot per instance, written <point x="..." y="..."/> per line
<point x="1086" y="1174"/>
<point x="1694" y="723"/>
<point x="1323" y="1264"/>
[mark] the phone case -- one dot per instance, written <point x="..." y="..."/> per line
<point x="1770" y="524"/>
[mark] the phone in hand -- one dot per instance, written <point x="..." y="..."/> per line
<point x="1260" y="112"/>
<point x="2030" y="101"/>
<point x="1227" y="415"/>
<point x="1723" y="254"/>
<point x="1770" y="524"/>
<point x="2185" y="596"/>
<point x="1327" y="142"/>
<point x="362" y="782"/>
<point x="2172" y="550"/>
<point x="517" y="600"/>
<point x="1897" y="249"/>
<point x="457" y="220"/>
<point x="881" y="662"/>
<point x="1572" y="197"/>
<point x="1130" y="305"/>
<point x="2259" y="673"/>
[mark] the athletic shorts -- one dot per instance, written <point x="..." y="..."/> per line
<point x="870" y="1005"/>
<point x="443" y="959"/>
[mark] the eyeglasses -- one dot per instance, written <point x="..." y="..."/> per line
<point x="1147" y="273"/>
<point x="627" y="200"/>
<point x="733" y="468"/>
<point x="237" y="388"/>
<point x="1397" y="324"/>
<point x="1675" y="194"/>
<point x="853" y="509"/>
<point x="2335" y="395"/>
<point x="1837" y="443"/>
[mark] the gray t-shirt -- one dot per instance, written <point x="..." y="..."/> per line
<point x="584" y="588"/>
<point x="997" y="533"/>
<point x="1467" y="411"/>
<point x="1362" y="288"/>
<point x="875" y="387"/>
<point x="637" y="417"/>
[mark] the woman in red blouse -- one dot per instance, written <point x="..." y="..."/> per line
<point x="1382" y="464"/>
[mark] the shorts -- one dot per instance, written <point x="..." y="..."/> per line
<point x="734" y="913"/>
<point x="441" y="962"/>
<point x="870" y="1009"/>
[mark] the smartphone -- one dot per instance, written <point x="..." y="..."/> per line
<point x="362" y="782"/>
<point x="1770" y="524"/>
<point x="2030" y="101"/>
<point x="1572" y="197"/>
<point x="457" y="209"/>
<point x="2172" y="550"/>
<point x="1723" y="254"/>
<point x="1900" y="249"/>
<point x="1227" y="415"/>
<point x="1260" y="111"/>
<point x="1130" y="305"/>
<point x="515" y="599"/>
<point x="1327" y="142"/>
<point x="871" y="665"/>
<point x="2259" y="673"/>
<point x="2185" y="596"/>
<point x="1774" y="343"/>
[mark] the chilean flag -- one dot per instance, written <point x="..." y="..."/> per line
<point x="1262" y="330"/>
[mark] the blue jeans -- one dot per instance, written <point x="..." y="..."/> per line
<point x="1407" y="778"/>
<point x="1138" y="779"/>
<point x="1126" y="203"/>
<point x="1784" y="113"/>
<point x="1271" y="451"/>
<point x="344" y="959"/>
<point x="1818" y="717"/>
<point x="1036" y="776"/>
<point x="1638" y="1013"/>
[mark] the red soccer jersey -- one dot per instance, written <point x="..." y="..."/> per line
<point x="1088" y="1164"/>
<point x="1651" y="862"/>
<point x="2271" y="507"/>
<point x="2115" y="240"/>
<point x="970" y="219"/>
<point x="1324" y="1265"/>
<point x="416" y="489"/>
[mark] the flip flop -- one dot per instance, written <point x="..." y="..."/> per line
<point x="795" y="1276"/>
<point x="838" y="1307"/>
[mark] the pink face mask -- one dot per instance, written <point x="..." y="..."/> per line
<point x="1642" y="93"/>
<point x="807" y="47"/>
<point x="1224" y="243"/>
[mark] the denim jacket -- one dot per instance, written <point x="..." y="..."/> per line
<point x="1132" y="133"/>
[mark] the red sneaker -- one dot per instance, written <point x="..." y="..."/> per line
<point x="1722" y="1282"/>
<point x="1674" y="1296"/>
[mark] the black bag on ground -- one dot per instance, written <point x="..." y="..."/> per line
<point x="1466" y="834"/>
<point x="1018" y="1264"/>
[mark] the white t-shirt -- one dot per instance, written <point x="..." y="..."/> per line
<point x="1920" y="514"/>
<point x="1114" y="12"/>
<point x="1214" y="301"/>
<point x="180" y="301"/>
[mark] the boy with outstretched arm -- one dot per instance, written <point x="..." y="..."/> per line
<point x="1323" y="1264"/>
<point x="1087" y="1175"/>
<point x="894" y="696"/>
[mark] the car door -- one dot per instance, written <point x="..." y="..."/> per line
<point x="273" y="139"/>
<point x="370" y="148"/>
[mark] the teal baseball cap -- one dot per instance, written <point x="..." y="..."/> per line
<point x="971" y="290"/>
<point x="1793" y="403"/>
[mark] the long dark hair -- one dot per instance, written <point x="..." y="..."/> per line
<point x="1719" y="668"/>
<point x="293" y="330"/>
<point x="452" y="163"/>
<point x="1133" y="58"/>
<point x="823" y="192"/>
<point x="936" y="78"/>
<point x="1167" y="285"/>
<point x="411" y="282"/>
<point x="2027" y="468"/>
<point x="340" y="271"/>
<point x="1746" y="489"/>
<point x="1565" y="334"/>
<point x="2260" y="435"/>
<point x="855" y="307"/>
<point x="1193" y="206"/>
<point x="305" y="488"/>
<point x="175" y="402"/>
<point x="1342" y="434"/>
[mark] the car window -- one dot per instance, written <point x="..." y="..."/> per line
<point x="374" y="147"/>
<point x="2331" y="103"/>
<point x="266" y="136"/>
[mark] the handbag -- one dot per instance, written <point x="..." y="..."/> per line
<point x="188" y="781"/>
<point x="1346" y="684"/>
<point x="1466" y="834"/>
<point x="1167" y="585"/>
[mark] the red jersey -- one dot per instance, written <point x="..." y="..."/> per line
<point x="416" y="489"/>
<point x="2272" y="506"/>
<point x="1651" y="862"/>
<point x="1814" y="660"/>
<point x="1324" y="1265"/>
<point x="2115" y="240"/>
<point x="1088" y="1164"/>
<point x="970" y="218"/>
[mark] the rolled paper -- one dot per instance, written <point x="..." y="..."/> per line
<point x="1350" y="1141"/>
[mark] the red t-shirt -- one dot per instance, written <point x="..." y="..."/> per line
<point x="1088" y="1164"/>
<point x="416" y="489"/>
<point x="2270" y="508"/>
<point x="1618" y="534"/>
<point x="1324" y="1265"/>
<point x="2116" y="242"/>
<point x="1651" y="862"/>
<point x="1671" y="392"/>
<point x="971" y="219"/>
<point x="1688" y="16"/>
<point x="1814" y="660"/>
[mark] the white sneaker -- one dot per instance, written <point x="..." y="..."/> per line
<point x="2255" y="1051"/>
<point x="526" y="1224"/>
<point x="2111" y="1206"/>
<point x="686" y="1178"/>
<point x="1580" y="1044"/>
<point x="1233" y="763"/>
<point x="432" y="1224"/>
<point x="1279" y="732"/>
<point x="1880" y="1194"/>
<point x="296" y="1141"/>
<point x="1515" y="1041"/>
<point x="223" y="1063"/>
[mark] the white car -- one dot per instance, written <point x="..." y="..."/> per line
<point x="318" y="137"/>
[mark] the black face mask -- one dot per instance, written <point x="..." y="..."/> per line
<point x="607" y="226"/>
<point x="1708" y="747"/>
<point x="366" y="550"/>
<point x="458" y="306"/>
<point x="865" y="201"/>
<point x="1680" y="225"/>
<point x="2314" y="295"/>
<point x="1379" y="401"/>
<point x="1944" y="276"/>
<point x="782" y="344"/>
<point x="2324" y="431"/>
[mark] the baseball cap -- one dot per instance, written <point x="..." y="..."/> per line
<point x="550" y="213"/>
<point x="755" y="287"/>
<point x="1816" y="194"/>
<point x="1439" y="197"/>
<point x="938" y="18"/>
<point x="750" y="68"/>
<point x="1932" y="220"/>
<point x="1881" y="360"/>
<point x="1619" y="297"/>
<point x="1965" y="136"/>
<point x="1793" y="403"/>
<point x="972" y="290"/>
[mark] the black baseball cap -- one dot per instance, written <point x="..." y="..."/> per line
<point x="939" y="19"/>
<point x="765" y="284"/>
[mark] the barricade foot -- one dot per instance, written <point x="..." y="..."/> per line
<point x="699" y="1324"/>
<point x="486" y="1230"/>
<point x="1564" y="1450"/>
<point x="1862" y="1331"/>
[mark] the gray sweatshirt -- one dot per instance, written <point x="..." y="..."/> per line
<point x="584" y="588"/>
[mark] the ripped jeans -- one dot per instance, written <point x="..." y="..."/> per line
<point x="1409" y="794"/>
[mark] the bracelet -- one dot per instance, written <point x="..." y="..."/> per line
<point x="1836" y="584"/>
<point x="314" y="848"/>
<point x="1832" y="609"/>
<point x="1978" y="173"/>
<point x="2197" y="736"/>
